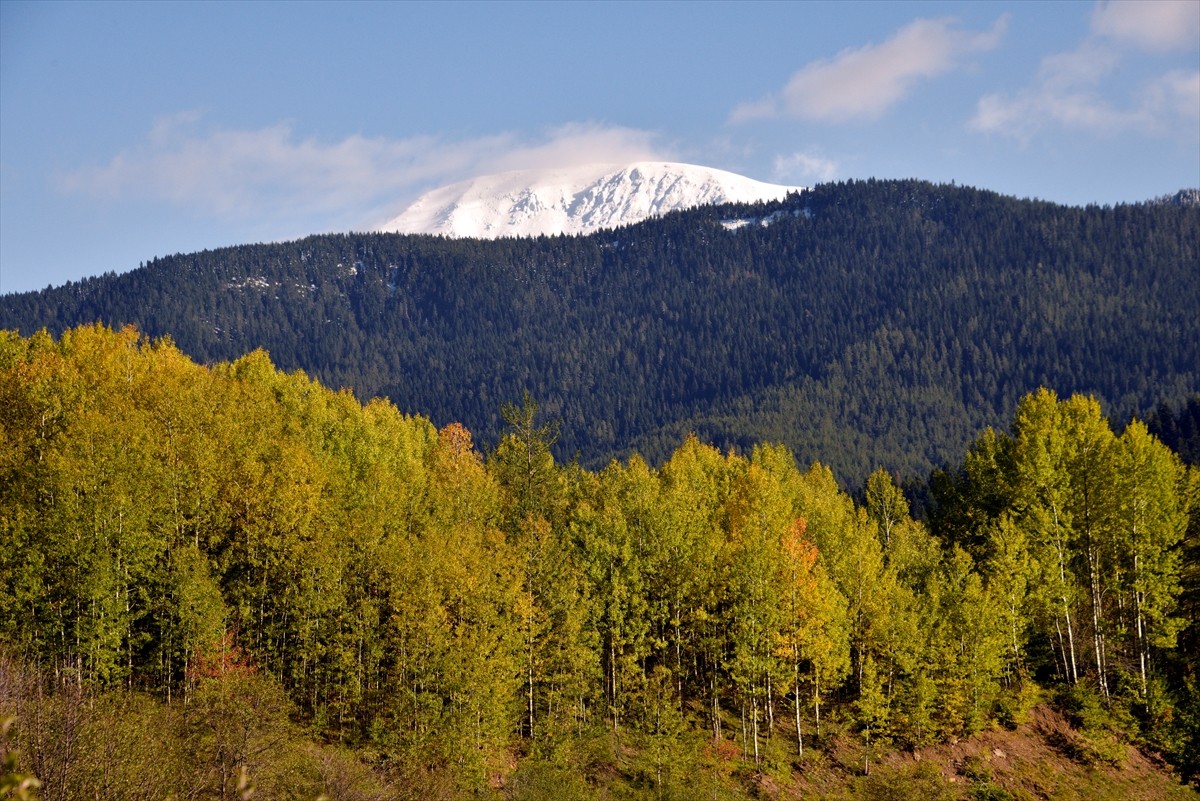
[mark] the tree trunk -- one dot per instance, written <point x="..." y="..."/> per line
<point x="1070" y="641"/>
<point x="770" y="707"/>
<point x="1060" y="547"/>
<point x="1062" y="649"/>
<point x="1141" y="631"/>
<point x="799" y="737"/>
<point x="1016" y="648"/>
<point x="716" y="712"/>
<point x="745" y="739"/>
<point x="817" y="701"/>
<point x="1097" y="636"/>
<point x="678" y="654"/>
<point x="612" y="666"/>
<point x="529" y="687"/>
<point x="754" y="724"/>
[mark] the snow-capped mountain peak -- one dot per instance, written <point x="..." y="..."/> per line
<point x="574" y="200"/>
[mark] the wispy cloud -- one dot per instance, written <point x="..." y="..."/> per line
<point x="863" y="83"/>
<point x="274" y="174"/>
<point x="1154" y="25"/>
<point x="805" y="167"/>
<point x="576" y="143"/>
<point x="1070" y="90"/>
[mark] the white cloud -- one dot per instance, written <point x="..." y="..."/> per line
<point x="1154" y="25"/>
<point x="576" y="143"/>
<point x="1176" y="94"/>
<point x="805" y="167"/>
<point x="1087" y="65"/>
<point x="1069" y="93"/>
<point x="865" y="82"/>
<point x="755" y="110"/>
<point x="273" y="174"/>
<point x="1072" y="90"/>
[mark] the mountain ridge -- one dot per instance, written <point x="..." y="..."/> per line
<point x="576" y="200"/>
<point x="869" y="323"/>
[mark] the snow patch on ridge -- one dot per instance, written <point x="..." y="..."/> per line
<point x="576" y="200"/>
<point x="763" y="222"/>
<point x="249" y="282"/>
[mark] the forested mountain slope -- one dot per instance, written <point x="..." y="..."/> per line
<point x="866" y="323"/>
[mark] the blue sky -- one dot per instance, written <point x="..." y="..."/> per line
<point x="135" y="130"/>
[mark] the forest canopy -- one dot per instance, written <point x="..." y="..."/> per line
<point x="870" y="323"/>
<point x="266" y="556"/>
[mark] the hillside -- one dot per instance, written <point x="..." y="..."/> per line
<point x="864" y="324"/>
<point x="1043" y="758"/>
<point x="1033" y="761"/>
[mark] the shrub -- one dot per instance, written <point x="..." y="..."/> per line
<point x="922" y="781"/>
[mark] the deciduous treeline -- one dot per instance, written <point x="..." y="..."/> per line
<point x="234" y="535"/>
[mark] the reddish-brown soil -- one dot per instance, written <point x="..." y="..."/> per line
<point x="1046" y="758"/>
<point x="1043" y="759"/>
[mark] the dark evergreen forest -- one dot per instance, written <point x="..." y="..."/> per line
<point x="876" y="323"/>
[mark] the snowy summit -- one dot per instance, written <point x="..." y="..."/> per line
<point x="574" y="200"/>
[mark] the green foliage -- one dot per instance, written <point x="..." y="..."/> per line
<point x="226" y="561"/>
<point x="1081" y="543"/>
<point x="986" y="791"/>
<point x="901" y="783"/>
<point x="539" y="781"/>
<point x="14" y="783"/>
<point x="1101" y="727"/>
<point x="1178" y="729"/>
<point x="1012" y="705"/>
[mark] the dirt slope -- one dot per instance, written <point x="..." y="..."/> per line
<point x="1046" y="758"/>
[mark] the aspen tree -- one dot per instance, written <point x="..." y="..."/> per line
<point x="1153" y="519"/>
